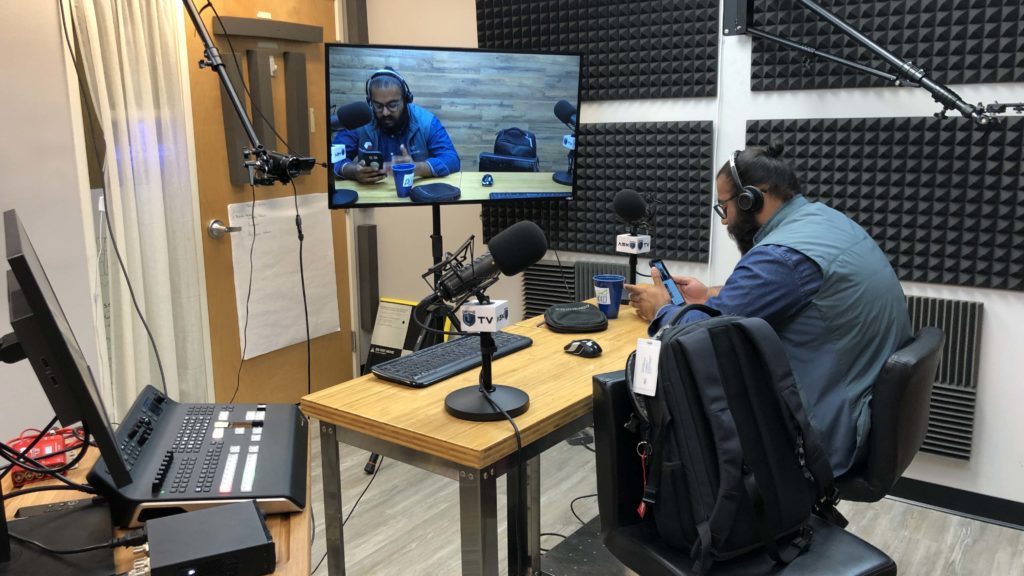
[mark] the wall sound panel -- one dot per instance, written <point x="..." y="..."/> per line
<point x="943" y="198"/>
<point x="667" y="162"/>
<point x="262" y="94"/>
<point x="954" y="41"/>
<point x="631" y="50"/>
<point x="951" y="418"/>
<point x="545" y="284"/>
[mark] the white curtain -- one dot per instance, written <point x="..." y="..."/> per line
<point x="131" y="52"/>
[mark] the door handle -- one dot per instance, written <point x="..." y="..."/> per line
<point x="216" y="229"/>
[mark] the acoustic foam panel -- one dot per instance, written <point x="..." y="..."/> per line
<point x="954" y="41"/>
<point x="667" y="162"/>
<point x="630" y="50"/>
<point x="943" y="198"/>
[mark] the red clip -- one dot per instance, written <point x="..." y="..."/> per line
<point x="642" y="508"/>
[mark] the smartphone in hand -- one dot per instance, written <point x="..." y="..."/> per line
<point x="673" y="290"/>
<point x="372" y="158"/>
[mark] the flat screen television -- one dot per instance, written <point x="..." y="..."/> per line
<point x="479" y="124"/>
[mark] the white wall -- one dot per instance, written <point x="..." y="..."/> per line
<point x="42" y="181"/>
<point x="997" y="466"/>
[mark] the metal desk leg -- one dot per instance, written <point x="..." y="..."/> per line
<point x="524" y="518"/>
<point x="330" y="463"/>
<point x="478" y="520"/>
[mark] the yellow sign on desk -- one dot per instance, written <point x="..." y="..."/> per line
<point x="394" y="331"/>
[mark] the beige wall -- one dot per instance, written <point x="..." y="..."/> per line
<point x="41" y="181"/>
<point x="419" y="23"/>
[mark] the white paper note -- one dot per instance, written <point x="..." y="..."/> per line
<point x="275" y="307"/>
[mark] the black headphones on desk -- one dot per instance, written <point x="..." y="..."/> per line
<point x="750" y="198"/>
<point x="388" y="71"/>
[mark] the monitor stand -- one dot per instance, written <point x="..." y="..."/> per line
<point x="5" y="540"/>
<point x="75" y="528"/>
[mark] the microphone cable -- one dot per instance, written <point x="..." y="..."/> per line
<point x="106" y="207"/>
<point x="248" y="295"/>
<point x="380" y="464"/>
<point x="520" y="472"/>
<point x="302" y="281"/>
<point x="571" y="295"/>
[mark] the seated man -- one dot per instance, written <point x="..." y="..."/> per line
<point x="817" y="278"/>
<point x="403" y="131"/>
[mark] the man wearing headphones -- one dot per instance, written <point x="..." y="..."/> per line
<point x="817" y="278"/>
<point x="401" y="130"/>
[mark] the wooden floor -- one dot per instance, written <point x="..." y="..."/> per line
<point x="408" y="522"/>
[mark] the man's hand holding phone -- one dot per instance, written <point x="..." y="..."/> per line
<point x="675" y="296"/>
<point x="647" y="299"/>
<point x="368" y="169"/>
<point x="362" y="173"/>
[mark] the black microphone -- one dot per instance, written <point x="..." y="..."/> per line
<point x="513" y="250"/>
<point x="630" y="206"/>
<point x="566" y="112"/>
<point x="351" y="116"/>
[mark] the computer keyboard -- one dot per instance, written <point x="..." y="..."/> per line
<point x="527" y="195"/>
<point x="444" y="360"/>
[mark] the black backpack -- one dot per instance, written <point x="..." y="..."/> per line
<point x="516" y="142"/>
<point x="733" y="465"/>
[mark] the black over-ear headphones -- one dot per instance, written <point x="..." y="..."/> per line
<point x="750" y="198"/>
<point x="388" y="71"/>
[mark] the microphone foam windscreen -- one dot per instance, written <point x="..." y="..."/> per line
<point x="518" y="247"/>
<point x="629" y="206"/>
<point x="564" y="111"/>
<point x="353" y="115"/>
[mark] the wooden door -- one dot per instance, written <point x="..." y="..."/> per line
<point x="280" y="375"/>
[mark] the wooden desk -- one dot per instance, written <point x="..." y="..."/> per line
<point x="291" y="532"/>
<point x="411" y="425"/>
<point x="468" y="182"/>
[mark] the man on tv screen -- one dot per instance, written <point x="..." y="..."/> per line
<point x="400" y="132"/>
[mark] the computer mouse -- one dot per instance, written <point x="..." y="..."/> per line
<point x="487" y="180"/>
<point x="586" y="348"/>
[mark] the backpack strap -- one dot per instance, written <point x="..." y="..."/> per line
<point x="809" y="450"/>
<point x="795" y="547"/>
<point x="689" y="308"/>
<point x="700" y="354"/>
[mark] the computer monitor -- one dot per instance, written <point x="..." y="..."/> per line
<point x="47" y="341"/>
<point x="448" y="107"/>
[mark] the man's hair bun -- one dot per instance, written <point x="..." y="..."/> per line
<point x="774" y="149"/>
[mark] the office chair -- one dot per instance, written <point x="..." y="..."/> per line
<point x="833" y="550"/>
<point x="899" y="418"/>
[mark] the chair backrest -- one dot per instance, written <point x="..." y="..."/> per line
<point x="619" y="476"/>
<point x="899" y="418"/>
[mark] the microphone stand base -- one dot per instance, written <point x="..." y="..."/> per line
<point x="343" y="198"/>
<point x="562" y="177"/>
<point x="470" y="403"/>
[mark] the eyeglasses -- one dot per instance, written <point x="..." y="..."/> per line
<point x="391" y="106"/>
<point x="721" y="209"/>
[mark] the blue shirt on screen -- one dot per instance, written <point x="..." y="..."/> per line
<point x="424" y="137"/>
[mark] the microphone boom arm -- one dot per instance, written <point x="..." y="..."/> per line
<point x="274" y="166"/>
<point x="737" y="14"/>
